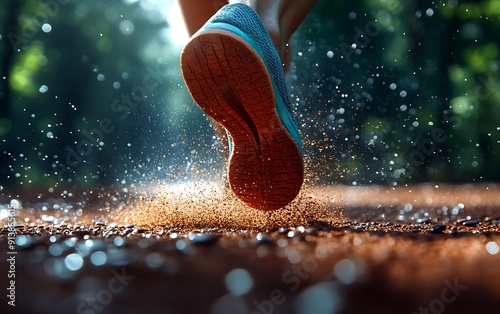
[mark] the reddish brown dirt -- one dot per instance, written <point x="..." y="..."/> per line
<point x="345" y="249"/>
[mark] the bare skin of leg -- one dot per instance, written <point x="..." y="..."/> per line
<point x="281" y="18"/>
<point x="197" y="12"/>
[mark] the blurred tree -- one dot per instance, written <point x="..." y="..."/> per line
<point x="387" y="91"/>
<point x="381" y="106"/>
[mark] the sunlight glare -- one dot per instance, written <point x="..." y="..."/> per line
<point x="177" y="30"/>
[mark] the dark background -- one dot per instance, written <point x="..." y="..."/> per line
<point x="386" y="92"/>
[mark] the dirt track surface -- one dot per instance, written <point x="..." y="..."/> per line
<point x="194" y="249"/>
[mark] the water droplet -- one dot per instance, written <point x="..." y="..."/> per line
<point x="46" y="28"/>
<point x="492" y="248"/>
<point x="238" y="281"/>
<point x="345" y="271"/>
<point x="203" y="238"/>
<point x="23" y="241"/>
<point x="320" y="298"/>
<point x="181" y="245"/>
<point x="98" y="258"/>
<point x="73" y="262"/>
<point x="154" y="260"/>
<point x="118" y="241"/>
<point x="55" y="249"/>
<point x="126" y="27"/>
<point x="42" y="89"/>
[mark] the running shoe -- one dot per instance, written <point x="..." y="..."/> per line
<point x="234" y="73"/>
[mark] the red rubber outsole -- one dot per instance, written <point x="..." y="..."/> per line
<point x="230" y="82"/>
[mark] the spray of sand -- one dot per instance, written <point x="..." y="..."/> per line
<point x="211" y="205"/>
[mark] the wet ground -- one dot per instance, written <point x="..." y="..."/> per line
<point x="192" y="248"/>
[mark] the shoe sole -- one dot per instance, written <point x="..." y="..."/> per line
<point x="230" y="82"/>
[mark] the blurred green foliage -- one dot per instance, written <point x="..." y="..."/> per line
<point x="386" y="91"/>
<point x="418" y="88"/>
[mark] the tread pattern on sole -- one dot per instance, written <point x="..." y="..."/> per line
<point x="230" y="82"/>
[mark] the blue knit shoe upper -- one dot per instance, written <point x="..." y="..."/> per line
<point x="248" y="25"/>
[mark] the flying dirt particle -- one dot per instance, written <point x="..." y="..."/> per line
<point x="193" y="206"/>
